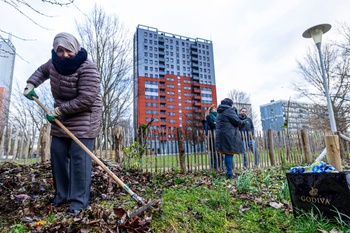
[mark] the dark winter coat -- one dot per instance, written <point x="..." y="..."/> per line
<point x="77" y="95"/>
<point x="228" y="137"/>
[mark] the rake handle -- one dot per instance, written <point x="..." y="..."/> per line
<point x="97" y="160"/>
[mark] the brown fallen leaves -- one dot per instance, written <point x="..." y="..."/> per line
<point x="26" y="191"/>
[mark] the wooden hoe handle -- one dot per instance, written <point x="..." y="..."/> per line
<point x="97" y="160"/>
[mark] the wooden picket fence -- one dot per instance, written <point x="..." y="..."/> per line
<point x="170" y="150"/>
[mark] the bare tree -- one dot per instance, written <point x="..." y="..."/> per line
<point x="242" y="99"/>
<point x="109" y="46"/>
<point x="25" y="117"/>
<point x="26" y="114"/>
<point x="337" y="69"/>
<point x="344" y="30"/>
<point x="23" y="7"/>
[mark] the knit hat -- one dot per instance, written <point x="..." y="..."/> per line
<point x="67" y="41"/>
<point x="227" y="101"/>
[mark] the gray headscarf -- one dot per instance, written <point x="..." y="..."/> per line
<point x="67" y="41"/>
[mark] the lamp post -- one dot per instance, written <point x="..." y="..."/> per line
<point x="316" y="33"/>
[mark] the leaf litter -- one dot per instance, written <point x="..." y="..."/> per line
<point x="26" y="191"/>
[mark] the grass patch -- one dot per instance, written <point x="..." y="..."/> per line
<point x="200" y="203"/>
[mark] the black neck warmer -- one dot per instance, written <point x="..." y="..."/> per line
<point x="69" y="65"/>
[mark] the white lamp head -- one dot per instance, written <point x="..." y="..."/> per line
<point x="316" y="32"/>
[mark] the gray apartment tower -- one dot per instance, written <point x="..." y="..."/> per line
<point x="7" y="63"/>
<point x="300" y="115"/>
<point x="174" y="79"/>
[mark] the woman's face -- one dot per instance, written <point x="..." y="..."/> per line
<point x="213" y="109"/>
<point x="64" y="53"/>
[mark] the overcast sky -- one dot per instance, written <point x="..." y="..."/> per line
<point x="256" y="42"/>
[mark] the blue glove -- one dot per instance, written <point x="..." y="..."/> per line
<point x="53" y="114"/>
<point x="29" y="92"/>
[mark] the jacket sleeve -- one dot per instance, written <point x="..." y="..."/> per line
<point x="234" y="120"/>
<point x="210" y="122"/>
<point x="40" y="75"/>
<point x="252" y="125"/>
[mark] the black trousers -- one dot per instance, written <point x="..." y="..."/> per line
<point x="71" y="170"/>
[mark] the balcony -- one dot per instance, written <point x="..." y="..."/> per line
<point x="196" y="84"/>
<point x="197" y="103"/>
<point x="194" y="59"/>
<point x="194" y="65"/>
<point x="195" y="71"/>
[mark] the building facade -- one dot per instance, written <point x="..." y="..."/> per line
<point x="174" y="79"/>
<point x="7" y="63"/>
<point x="300" y="115"/>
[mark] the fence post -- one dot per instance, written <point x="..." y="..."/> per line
<point x="45" y="142"/>
<point x="271" y="146"/>
<point x="306" y="146"/>
<point x="333" y="151"/>
<point x="180" y="141"/>
<point x="118" y="140"/>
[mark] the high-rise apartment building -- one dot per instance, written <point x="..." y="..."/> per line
<point x="174" y="79"/>
<point x="7" y="63"/>
<point x="300" y="115"/>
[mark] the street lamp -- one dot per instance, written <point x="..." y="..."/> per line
<point x="316" y="33"/>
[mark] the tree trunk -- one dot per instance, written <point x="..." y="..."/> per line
<point x="118" y="140"/>
<point x="45" y="142"/>
<point x="271" y="146"/>
<point x="180" y="139"/>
